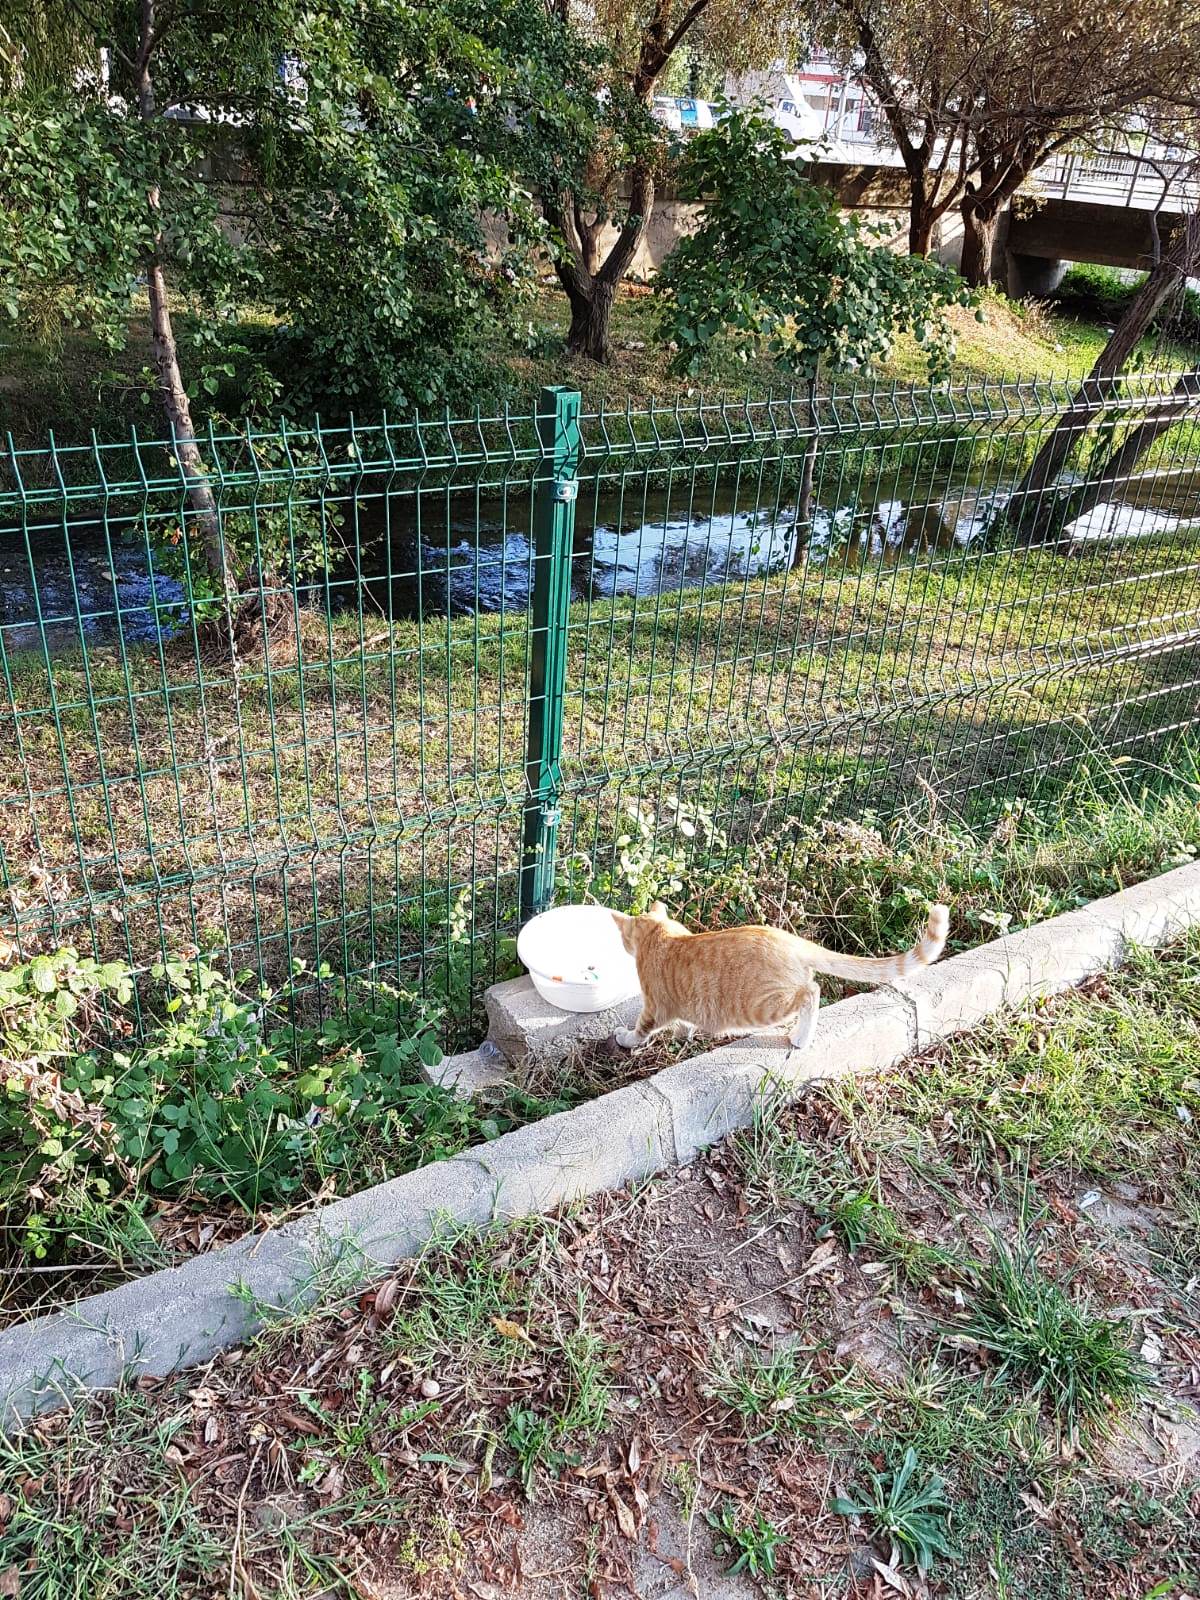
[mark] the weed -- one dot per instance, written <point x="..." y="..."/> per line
<point x="777" y="1392"/>
<point x="860" y="1220"/>
<point x="778" y="1168"/>
<point x="945" y="1417"/>
<point x="583" y="1394"/>
<point x="750" y="1539"/>
<point x="907" y="1508"/>
<point x="1177" y="1245"/>
<point x="1079" y="1365"/>
<point x="1105" y="1084"/>
<point x="68" y="1549"/>
<point x="686" y="1485"/>
<point x="531" y="1438"/>
<point x="352" y="1430"/>
<point x="466" y="1290"/>
<point x="781" y="1169"/>
<point x="857" y="1219"/>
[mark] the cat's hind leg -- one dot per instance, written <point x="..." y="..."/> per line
<point x="805" y="1018"/>
<point x="634" y="1038"/>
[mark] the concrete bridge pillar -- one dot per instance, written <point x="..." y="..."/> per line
<point x="1032" y="275"/>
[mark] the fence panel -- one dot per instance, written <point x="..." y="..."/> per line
<point x="345" y="772"/>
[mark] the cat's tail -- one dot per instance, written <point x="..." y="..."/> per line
<point x="885" y="969"/>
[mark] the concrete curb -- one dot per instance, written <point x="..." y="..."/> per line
<point x="187" y="1314"/>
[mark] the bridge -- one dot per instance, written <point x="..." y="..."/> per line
<point x="1104" y="207"/>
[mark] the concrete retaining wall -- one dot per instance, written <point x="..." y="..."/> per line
<point x="185" y="1315"/>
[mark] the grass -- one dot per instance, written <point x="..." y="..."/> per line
<point x="520" y="1399"/>
<point x="1103" y="1083"/>
<point x="287" y="813"/>
<point x="324" y="800"/>
<point x="947" y="1416"/>
<point x="354" y="799"/>
<point x="126" y="1466"/>
<point x="856" y="886"/>
<point x="775" y="1391"/>
<point x="476" y="1306"/>
<point x="465" y="1305"/>
<point x="64" y="382"/>
<point x="780" y="1169"/>
<point x="1079" y="1364"/>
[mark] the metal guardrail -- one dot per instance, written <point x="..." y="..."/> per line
<point x="1134" y="180"/>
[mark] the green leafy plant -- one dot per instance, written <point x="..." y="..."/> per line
<point x="776" y="267"/>
<point x="355" y="1427"/>
<point x="53" y="1140"/>
<point x="533" y="1441"/>
<point x="229" y="1099"/>
<point x="752" y="1540"/>
<point x="650" y="855"/>
<point x="229" y="1095"/>
<point x="1080" y="1365"/>
<point x="906" y="1508"/>
<point x="777" y="1392"/>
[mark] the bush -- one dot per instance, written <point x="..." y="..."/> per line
<point x="1103" y="294"/>
<point x="227" y="1097"/>
<point x="775" y="268"/>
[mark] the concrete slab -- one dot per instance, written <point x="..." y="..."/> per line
<point x="524" y="1026"/>
<point x="470" y="1073"/>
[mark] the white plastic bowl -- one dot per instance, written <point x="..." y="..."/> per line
<point x="576" y="959"/>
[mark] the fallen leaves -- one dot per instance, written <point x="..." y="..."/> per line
<point x="507" y="1329"/>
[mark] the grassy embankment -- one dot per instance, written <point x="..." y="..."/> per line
<point x="73" y="384"/>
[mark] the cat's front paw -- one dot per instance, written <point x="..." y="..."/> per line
<point x="627" y="1038"/>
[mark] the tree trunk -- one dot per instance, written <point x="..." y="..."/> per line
<point x="179" y="415"/>
<point x="1182" y="402"/>
<point x="591" y="281"/>
<point x="590" y="317"/>
<point x="979" y="239"/>
<point x="923" y="209"/>
<point x="920" y="229"/>
<point x="1033" y="511"/>
<point x="804" y="499"/>
<point x="166" y="352"/>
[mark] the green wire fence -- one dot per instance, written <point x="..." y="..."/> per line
<point x="473" y="663"/>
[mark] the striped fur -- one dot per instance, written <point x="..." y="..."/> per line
<point x="747" y="980"/>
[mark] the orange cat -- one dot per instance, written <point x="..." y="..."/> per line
<point x="747" y="980"/>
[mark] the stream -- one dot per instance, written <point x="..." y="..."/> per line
<point x="386" y="557"/>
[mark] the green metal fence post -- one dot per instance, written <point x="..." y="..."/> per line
<point x="554" y="528"/>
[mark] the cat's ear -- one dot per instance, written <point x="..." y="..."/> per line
<point x="625" y="929"/>
<point x="658" y="910"/>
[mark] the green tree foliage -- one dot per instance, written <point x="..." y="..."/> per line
<point x="776" y="267"/>
<point x="600" y="214"/>
<point x="331" y="163"/>
<point x="328" y="161"/>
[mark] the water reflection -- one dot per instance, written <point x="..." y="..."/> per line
<point x="483" y="558"/>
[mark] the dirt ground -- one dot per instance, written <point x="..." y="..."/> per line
<point x="709" y="1386"/>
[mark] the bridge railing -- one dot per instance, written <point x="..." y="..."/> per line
<point x="1123" y="177"/>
